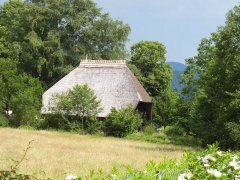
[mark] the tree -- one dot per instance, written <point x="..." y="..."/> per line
<point x="148" y="62"/>
<point x="149" y="58"/>
<point x="80" y="101"/>
<point x="19" y="92"/>
<point x="122" y="122"/>
<point x="48" y="38"/>
<point x="215" y="107"/>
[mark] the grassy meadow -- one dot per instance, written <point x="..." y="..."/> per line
<point x="56" y="154"/>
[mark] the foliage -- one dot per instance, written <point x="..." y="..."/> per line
<point x="19" y="92"/>
<point x="212" y="79"/>
<point x="165" y="108"/>
<point x="212" y="164"/>
<point x="162" y="138"/>
<point x="148" y="63"/>
<point x="49" y="37"/>
<point x="122" y="122"/>
<point x="3" y="121"/>
<point x="149" y="58"/>
<point x="167" y="169"/>
<point x="174" y="131"/>
<point x="81" y="102"/>
<point x="208" y="164"/>
<point x="149" y="129"/>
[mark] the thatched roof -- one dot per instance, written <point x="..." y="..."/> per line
<point x="113" y="83"/>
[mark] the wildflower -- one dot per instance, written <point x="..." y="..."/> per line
<point x="189" y="175"/>
<point x="214" y="172"/>
<point x="206" y="165"/>
<point x="219" y="153"/>
<point x="237" y="177"/>
<point x="234" y="163"/>
<point x="71" y="177"/>
<point x="208" y="158"/>
<point x="185" y="176"/>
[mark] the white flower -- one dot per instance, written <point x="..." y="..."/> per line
<point x="234" y="163"/>
<point x="219" y="153"/>
<point x="208" y="158"/>
<point x="206" y="165"/>
<point x="189" y="175"/>
<point x="237" y="177"/>
<point x="71" y="177"/>
<point x="9" y="112"/>
<point x="214" y="172"/>
<point x="181" y="177"/>
<point x="185" y="176"/>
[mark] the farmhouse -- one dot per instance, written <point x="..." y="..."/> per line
<point x="112" y="81"/>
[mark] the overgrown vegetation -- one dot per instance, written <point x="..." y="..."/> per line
<point x="80" y="102"/>
<point x="212" y="82"/>
<point x="208" y="164"/>
<point x="122" y="122"/>
<point x="40" y="41"/>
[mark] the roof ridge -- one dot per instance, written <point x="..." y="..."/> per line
<point x="103" y="61"/>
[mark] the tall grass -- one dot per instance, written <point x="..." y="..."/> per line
<point x="56" y="154"/>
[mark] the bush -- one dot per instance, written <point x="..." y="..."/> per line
<point x="122" y="122"/>
<point x="174" y="131"/>
<point x="149" y="129"/>
<point x="3" y="121"/>
<point x="212" y="164"/>
<point x="82" y="103"/>
<point x="26" y="127"/>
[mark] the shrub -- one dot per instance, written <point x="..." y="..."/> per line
<point x="174" y="131"/>
<point x="149" y="129"/>
<point x="80" y="102"/>
<point x="26" y="127"/>
<point x="212" y="164"/>
<point x="122" y="122"/>
<point x="3" y="121"/>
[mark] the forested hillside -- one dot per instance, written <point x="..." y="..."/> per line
<point x="178" y="69"/>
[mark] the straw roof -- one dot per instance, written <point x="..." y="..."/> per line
<point x="111" y="80"/>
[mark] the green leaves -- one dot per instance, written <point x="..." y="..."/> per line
<point x="122" y="122"/>
<point x="54" y="35"/>
<point x="19" y="92"/>
<point x="148" y="64"/>
<point x="80" y="101"/>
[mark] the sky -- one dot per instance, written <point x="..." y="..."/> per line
<point x="178" y="24"/>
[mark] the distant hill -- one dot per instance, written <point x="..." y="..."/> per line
<point x="178" y="69"/>
<point x="177" y="66"/>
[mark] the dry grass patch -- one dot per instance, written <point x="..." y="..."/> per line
<point x="58" y="154"/>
